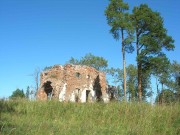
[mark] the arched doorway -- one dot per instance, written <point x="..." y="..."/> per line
<point x="48" y="90"/>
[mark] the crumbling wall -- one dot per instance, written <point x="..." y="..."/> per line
<point x="54" y="75"/>
<point x="73" y="83"/>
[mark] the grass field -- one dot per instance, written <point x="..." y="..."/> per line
<point x="116" y="118"/>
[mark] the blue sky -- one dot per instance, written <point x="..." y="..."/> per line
<point x="39" y="33"/>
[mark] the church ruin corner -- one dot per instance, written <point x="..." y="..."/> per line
<point x="75" y="83"/>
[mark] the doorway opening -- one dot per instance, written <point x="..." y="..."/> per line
<point x="77" y="95"/>
<point x="48" y="90"/>
<point x="87" y="95"/>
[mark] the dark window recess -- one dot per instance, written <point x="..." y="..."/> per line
<point x="78" y="74"/>
<point x="77" y="95"/>
<point x="87" y="95"/>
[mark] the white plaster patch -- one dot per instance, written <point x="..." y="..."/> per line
<point x="73" y="97"/>
<point x="106" y="98"/>
<point x="62" y="93"/>
<point x="92" y="94"/>
<point x="83" y="96"/>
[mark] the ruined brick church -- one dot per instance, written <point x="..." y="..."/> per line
<point x="75" y="83"/>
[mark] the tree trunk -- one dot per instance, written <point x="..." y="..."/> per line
<point x="162" y="91"/>
<point x="37" y="81"/>
<point x="36" y="78"/>
<point x="157" y="90"/>
<point x="124" y="63"/>
<point x="139" y="66"/>
<point x="162" y="86"/>
<point x="139" y="81"/>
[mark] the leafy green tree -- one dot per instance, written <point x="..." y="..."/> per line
<point x="146" y="86"/>
<point x="166" y="96"/>
<point x="167" y="75"/>
<point x="74" y="61"/>
<point x="119" y="20"/>
<point x="175" y="83"/>
<point x="116" y="78"/>
<point x="161" y="73"/>
<point x="132" y="82"/>
<point x="17" y="94"/>
<point x="151" y="39"/>
<point x="91" y="60"/>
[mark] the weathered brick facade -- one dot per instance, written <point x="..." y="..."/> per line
<point x="73" y="83"/>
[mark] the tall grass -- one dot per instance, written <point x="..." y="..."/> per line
<point x="116" y="118"/>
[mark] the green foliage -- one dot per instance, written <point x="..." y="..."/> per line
<point x="132" y="83"/>
<point x="119" y="20"/>
<point x="151" y="41"/>
<point x="151" y="36"/>
<point x="116" y="74"/>
<point x="168" y="77"/>
<point x="175" y="81"/>
<point x="166" y="96"/>
<point x="45" y="118"/>
<point x="74" y="61"/>
<point x="17" y="94"/>
<point x="91" y="60"/>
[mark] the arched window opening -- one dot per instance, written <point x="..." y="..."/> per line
<point x="78" y="74"/>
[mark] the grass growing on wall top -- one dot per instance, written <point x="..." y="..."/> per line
<point x="55" y="118"/>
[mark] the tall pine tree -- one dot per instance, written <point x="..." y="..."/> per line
<point x="119" y="21"/>
<point x="151" y="39"/>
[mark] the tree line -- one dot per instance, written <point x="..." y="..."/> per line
<point x="167" y="83"/>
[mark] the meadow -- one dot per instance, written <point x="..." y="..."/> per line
<point x="22" y="117"/>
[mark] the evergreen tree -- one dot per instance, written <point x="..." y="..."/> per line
<point x="119" y="20"/>
<point x="151" y="39"/>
